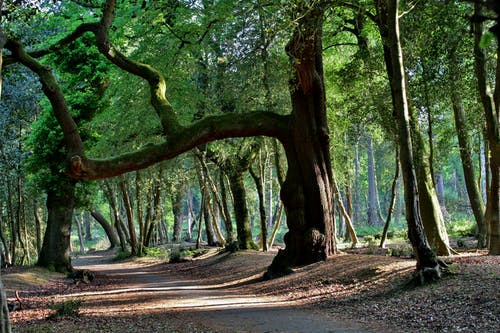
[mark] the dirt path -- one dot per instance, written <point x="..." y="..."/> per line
<point x="145" y="292"/>
<point x="222" y="293"/>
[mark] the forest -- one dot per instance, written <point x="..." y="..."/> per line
<point x="302" y="128"/>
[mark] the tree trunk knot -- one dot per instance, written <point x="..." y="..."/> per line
<point x="76" y="165"/>
<point x="315" y="241"/>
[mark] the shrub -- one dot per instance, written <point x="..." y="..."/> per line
<point x="369" y="240"/>
<point x="156" y="252"/>
<point x="65" y="309"/>
<point x="121" y="255"/>
<point x="405" y="251"/>
<point x="180" y="254"/>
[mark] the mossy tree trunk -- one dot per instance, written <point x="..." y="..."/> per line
<point x="177" y="209"/>
<point x="307" y="192"/>
<point x="475" y="198"/>
<point x="491" y="107"/>
<point x="55" y="253"/>
<point x="243" y="230"/>
<point x="430" y="209"/>
<point x="388" y="22"/>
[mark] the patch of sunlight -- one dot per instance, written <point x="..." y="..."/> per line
<point x="34" y="277"/>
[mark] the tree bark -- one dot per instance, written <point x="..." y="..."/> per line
<point x="257" y="178"/>
<point x="373" y="198"/>
<point x="276" y="225"/>
<point x="347" y="218"/>
<point x="392" y="203"/>
<point x="307" y="192"/>
<point x="120" y="228"/>
<point x="491" y="108"/>
<point x="80" y="234"/>
<point x="5" y="253"/>
<point x="243" y="230"/>
<point x="205" y="210"/>
<point x="156" y="212"/>
<point x="55" y="253"/>
<point x="230" y="239"/>
<point x="357" y="202"/>
<point x="388" y="21"/>
<point x="440" y="191"/>
<point x="177" y="206"/>
<point x="130" y="218"/>
<point x="108" y="229"/>
<point x="475" y="198"/>
<point x="87" y="226"/>
<point x="430" y="209"/>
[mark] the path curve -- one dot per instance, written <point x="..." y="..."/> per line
<point x="199" y="307"/>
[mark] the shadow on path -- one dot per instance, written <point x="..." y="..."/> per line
<point x="224" y="307"/>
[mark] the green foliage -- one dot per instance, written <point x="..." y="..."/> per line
<point x="369" y="240"/>
<point x="180" y="254"/>
<point x="157" y="252"/>
<point x="461" y="226"/>
<point x="69" y="308"/>
<point x="368" y="230"/>
<point x="405" y="251"/>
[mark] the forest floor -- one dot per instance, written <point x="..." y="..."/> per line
<point x="224" y="292"/>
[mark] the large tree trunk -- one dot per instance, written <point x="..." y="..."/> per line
<point x="55" y="253"/>
<point x="430" y="209"/>
<point x="491" y="106"/>
<point x="387" y="13"/>
<point x="307" y="191"/>
<point x="207" y="217"/>
<point x="177" y="207"/>
<point x="87" y="226"/>
<point x="258" y="180"/>
<point x="243" y="230"/>
<point x="205" y="209"/>
<point x="230" y="239"/>
<point x="475" y="198"/>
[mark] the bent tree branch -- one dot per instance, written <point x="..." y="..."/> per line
<point x="177" y="138"/>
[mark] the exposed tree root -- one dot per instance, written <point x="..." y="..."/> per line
<point x="427" y="275"/>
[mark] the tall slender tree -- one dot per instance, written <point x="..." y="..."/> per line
<point x="388" y="22"/>
<point x="491" y="108"/>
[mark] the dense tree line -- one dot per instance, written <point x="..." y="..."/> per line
<point x="119" y="109"/>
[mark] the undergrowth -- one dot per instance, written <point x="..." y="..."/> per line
<point x="68" y="308"/>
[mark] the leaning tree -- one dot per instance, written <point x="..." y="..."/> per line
<point x="306" y="193"/>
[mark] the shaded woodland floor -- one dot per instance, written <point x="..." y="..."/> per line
<point x="225" y="293"/>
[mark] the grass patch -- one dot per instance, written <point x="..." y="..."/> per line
<point x="461" y="227"/>
<point x="181" y="254"/>
<point x="32" y="277"/>
<point x="68" y="308"/>
<point x="157" y="252"/>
